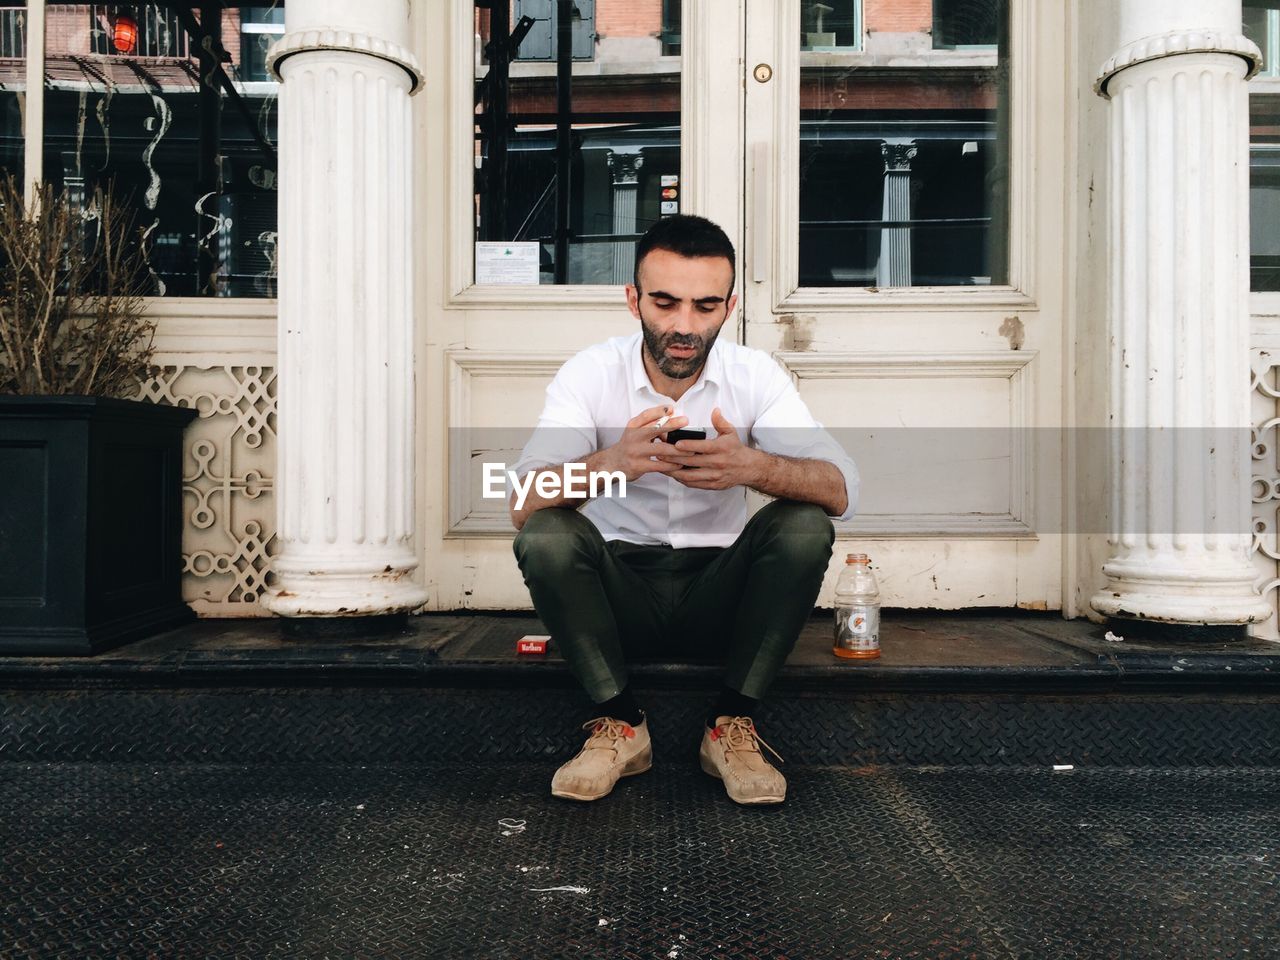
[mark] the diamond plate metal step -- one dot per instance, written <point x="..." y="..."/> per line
<point x="304" y="860"/>
<point x="949" y="690"/>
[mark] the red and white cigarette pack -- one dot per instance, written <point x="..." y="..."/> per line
<point x="532" y="644"/>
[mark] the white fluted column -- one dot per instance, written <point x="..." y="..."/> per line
<point x="624" y="171"/>
<point x="346" y="392"/>
<point x="1178" y="316"/>
<point x="894" y="267"/>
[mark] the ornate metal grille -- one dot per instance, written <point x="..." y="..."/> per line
<point x="228" y="482"/>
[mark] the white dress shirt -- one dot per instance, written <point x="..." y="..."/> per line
<point x="599" y="389"/>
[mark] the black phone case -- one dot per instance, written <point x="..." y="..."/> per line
<point x="684" y="433"/>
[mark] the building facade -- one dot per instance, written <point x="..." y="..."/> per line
<point x="1020" y="256"/>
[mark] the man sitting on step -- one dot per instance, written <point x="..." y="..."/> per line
<point x="674" y="567"/>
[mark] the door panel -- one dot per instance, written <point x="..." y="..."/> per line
<point x="897" y="270"/>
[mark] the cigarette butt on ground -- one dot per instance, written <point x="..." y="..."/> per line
<point x="532" y="644"/>
<point x="1064" y="766"/>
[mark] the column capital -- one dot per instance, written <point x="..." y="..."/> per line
<point x="898" y="155"/>
<point x="625" y="166"/>
<point x="307" y="41"/>
<point x="1178" y="43"/>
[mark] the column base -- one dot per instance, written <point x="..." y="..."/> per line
<point x="342" y="628"/>
<point x="1186" y="607"/>
<point x="332" y="595"/>
<point x="1155" y="631"/>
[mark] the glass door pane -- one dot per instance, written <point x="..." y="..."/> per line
<point x="577" y="149"/>
<point x="904" y="143"/>
<point x="13" y="88"/>
<point x="1262" y="25"/>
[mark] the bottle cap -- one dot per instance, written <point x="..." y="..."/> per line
<point x="857" y="558"/>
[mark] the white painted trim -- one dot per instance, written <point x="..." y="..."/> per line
<point x="465" y="519"/>
<point x="592" y="297"/>
<point x="1264" y="304"/>
<point x="913" y="299"/>
<point x="1016" y="366"/>
<point x="940" y="526"/>
<point x="199" y="325"/>
<point x="1071" y="548"/>
<point x="830" y="365"/>
<point x="33" y="145"/>
<point x="250" y="339"/>
<point x="209" y="307"/>
<point x="460" y="150"/>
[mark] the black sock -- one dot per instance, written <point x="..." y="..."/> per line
<point x="622" y="707"/>
<point x="731" y="703"/>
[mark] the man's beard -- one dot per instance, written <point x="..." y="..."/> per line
<point x="677" y="368"/>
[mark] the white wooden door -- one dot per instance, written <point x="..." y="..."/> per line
<point x="898" y="372"/>
<point x="933" y="349"/>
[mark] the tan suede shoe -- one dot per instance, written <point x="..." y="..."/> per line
<point x="731" y="752"/>
<point x="614" y="749"/>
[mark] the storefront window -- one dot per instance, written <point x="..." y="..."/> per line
<point x="568" y="176"/>
<point x="904" y="151"/>
<point x="181" y="117"/>
<point x="1264" y="192"/>
<point x="1262" y="26"/>
<point x="13" y="87"/>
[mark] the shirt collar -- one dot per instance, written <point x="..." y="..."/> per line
<point x="713" y="372"/>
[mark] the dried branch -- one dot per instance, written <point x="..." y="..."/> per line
<point x="72" y="282"/>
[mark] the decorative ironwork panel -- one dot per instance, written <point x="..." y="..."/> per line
<point x="228" y="482"/>
<point x="1265" y="491"/>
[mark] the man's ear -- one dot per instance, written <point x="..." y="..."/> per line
<point x="633" y="300"/>
<point x="730" y="304"/>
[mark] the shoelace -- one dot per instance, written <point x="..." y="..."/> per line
<point x="609" y="732"/>
<point x="741" y="735"/>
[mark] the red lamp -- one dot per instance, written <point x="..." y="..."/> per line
<point x="124" y="32"/>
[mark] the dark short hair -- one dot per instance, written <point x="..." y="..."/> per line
<point x="688" y="236"/>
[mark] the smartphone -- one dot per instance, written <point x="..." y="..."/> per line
<point x="685" y="433"/>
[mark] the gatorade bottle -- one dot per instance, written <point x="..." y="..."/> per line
<point x="857" y="633"/>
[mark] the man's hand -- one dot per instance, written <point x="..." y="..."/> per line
<point x="726" y="462"/>
<point x="641" y="440"/>
<point x="716" y="464"/>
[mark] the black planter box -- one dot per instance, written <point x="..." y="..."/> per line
<point x="90" y="523"/>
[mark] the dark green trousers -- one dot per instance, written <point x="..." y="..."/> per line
<point x="743" y="605"/>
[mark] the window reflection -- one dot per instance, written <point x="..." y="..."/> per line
<point x="1262" y="26"/>
<point x="1264" y="191"/>
<point x="13" y="86"/>
<point x="181" y="116"/>
<point x="831" y="25"/>
<point x="575" y="172"/>
<point x="903" y="149"/>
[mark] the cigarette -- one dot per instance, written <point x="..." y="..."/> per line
<point x="662" y="422"/>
